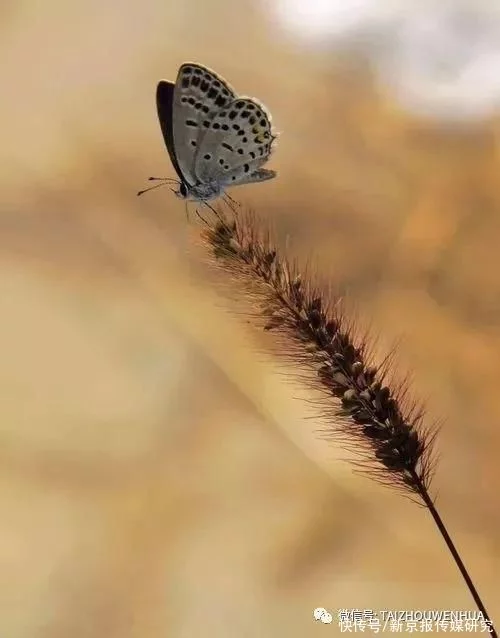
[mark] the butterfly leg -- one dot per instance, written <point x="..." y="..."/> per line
<point x="231" y="203"/>
<point x="200" y="216"/>
<point x="230" y="199"/>
<point x="216" y="213"/>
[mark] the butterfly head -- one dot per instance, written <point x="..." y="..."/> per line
<point x="183" y="191"/>
<point x="199" y="192"/>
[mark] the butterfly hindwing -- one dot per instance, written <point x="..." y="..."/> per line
<point x="240" y="176"/>
<point x="198" y="94"/>
<point x="239" y="136"/>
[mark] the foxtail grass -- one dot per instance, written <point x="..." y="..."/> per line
<point x="362" y="408"/>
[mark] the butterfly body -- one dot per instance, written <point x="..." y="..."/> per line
<point x="214" y="138"/>
<point x="199" y="192"/>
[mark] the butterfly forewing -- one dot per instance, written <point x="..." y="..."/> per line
<point x="239" y="136"/>
<point x="164" y="105"/>
<point x="199" y="93"/>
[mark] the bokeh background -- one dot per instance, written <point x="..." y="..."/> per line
<point x="160" y="475"/>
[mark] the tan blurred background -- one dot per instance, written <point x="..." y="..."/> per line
<point x="160" y="476"/>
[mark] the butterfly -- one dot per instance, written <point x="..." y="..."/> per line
<point x="214" y="138"/>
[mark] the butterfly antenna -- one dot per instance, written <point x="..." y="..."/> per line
<point x="162" y="179"/>
<point x="145" y="190"/>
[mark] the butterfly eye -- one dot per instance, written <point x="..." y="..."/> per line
<point x="183" y="190"/>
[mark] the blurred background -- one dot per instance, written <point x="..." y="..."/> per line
<point x="160" y="476"/>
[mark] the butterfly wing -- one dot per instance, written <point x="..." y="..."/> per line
<point x="253" y="175"/>
<point x="164" y="104"/>
<point x="199" y="93"/>
<point x="237" y="142"/>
